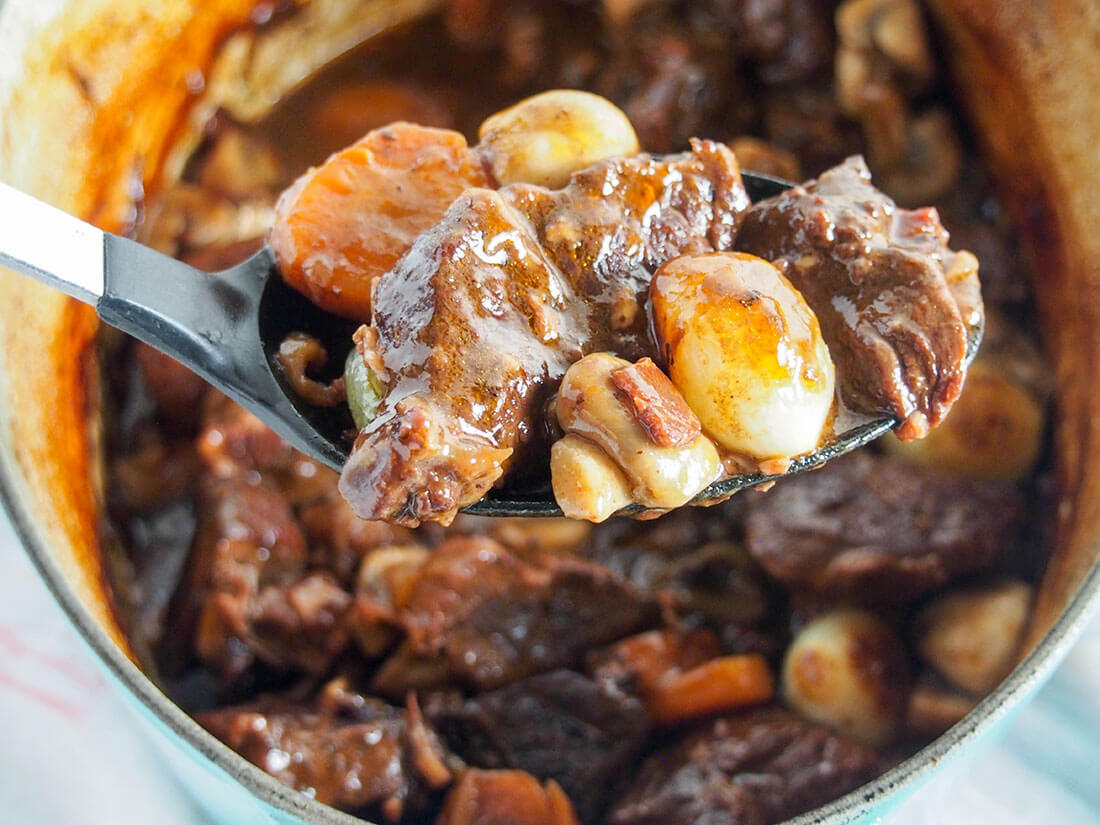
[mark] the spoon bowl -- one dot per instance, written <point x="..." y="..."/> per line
<point x="227" y="327"/>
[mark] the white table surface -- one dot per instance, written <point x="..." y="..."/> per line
<point x="71" y="753"/>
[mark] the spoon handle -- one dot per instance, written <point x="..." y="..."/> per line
<point x="212" y="323"/>
<point x="51" y="246"/>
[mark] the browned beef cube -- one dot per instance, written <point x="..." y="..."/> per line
<point x="175" y="389"/>
<point x="560" y="725"/>
<point x="753" y="769"/>
<point x="879" y="531"/>
<point x="481" y="616"/>
<point x="233" y="441"/>
<point x="379" y="761"/>
<point x="247" y="595"/>
<point x="691" y="560"/>
<point x="339" y="539"/>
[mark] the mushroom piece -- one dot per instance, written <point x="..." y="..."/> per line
<point x="760" y="156"/>
<point x="890" y="31"/>
<point x="628" y="433"/>
<point x="587" y="483"/>
<point x="883" y="61"/>
<point x="995" y="430"/>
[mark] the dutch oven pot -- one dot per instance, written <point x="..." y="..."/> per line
<point x="99" y="99"/>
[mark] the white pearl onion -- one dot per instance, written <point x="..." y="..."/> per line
<point x="546" y="138"/>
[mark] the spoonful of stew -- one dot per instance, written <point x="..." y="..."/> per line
<point x="660" y="331"/>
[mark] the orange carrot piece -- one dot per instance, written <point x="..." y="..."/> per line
<point x="657" y="654"/>
<point x="343" y="224"/>
<point x="723" y="684"/>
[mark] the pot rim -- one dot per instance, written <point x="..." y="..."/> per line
<point x="1028" y="676"/>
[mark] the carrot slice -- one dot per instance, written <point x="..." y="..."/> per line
<point x="344" y="223"/>
<point x="723" y="684"/>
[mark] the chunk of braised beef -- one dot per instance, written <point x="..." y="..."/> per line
<point x="879" y="531"/>
<point x="479" y="615"/>
<point x="234" y="442"/>
<point x="641" y="551"/>
<point x="381" y="586"/>
<point x="154" y="472"/>
<point x="379" y="761"/>
<point x="876" y="276"/>
<point x="806" y="120"/>
<point x="752" y="769"/>
<point x="669" y="83"/>
<point x="301" y="626"/>
<point x="561" y="725"/>
<point x="692" y="561"/>
<point x="505" y="798"/>
<point x="246" y="594"/>
<point x="790" y="41"/>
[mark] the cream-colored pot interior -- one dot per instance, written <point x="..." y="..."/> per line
<point x="99" y="100"/>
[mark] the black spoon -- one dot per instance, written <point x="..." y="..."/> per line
<point x="227" y="327"/>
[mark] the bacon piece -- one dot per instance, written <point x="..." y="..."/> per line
<point x="657" y="404"/>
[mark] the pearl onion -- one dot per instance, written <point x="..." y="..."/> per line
<point x="745" y="351"/>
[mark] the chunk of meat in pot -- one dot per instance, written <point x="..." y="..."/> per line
<point x="154" y="472"/>
<point x="880" y="531"/>
<point x="882" y="282"/>
<point x="689" y="561"/>
<point x="800" y="45"/>
<point x="751" y="769"/>
<point x="505" y="798"/>
<point x="806" y="120"/>
<point x="476" y="324"/>
<point x="560" y="726"/>
<point x="668" y="84"/>
<point x="246" y="594"/>
<point x="378" y="761"/>
<point x="232" y="442"/>
<point x="382" y="586"/>
<point x="484" y="617"/>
